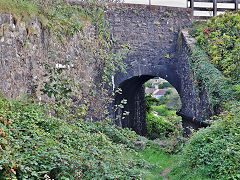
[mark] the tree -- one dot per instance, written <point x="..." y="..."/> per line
<point x="164" y="85"/>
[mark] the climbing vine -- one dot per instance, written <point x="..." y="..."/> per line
<point x="207" y="78"/>
<point x="219" y="37"/>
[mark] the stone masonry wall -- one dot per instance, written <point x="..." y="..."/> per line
<point x="150" y="31"/>
<point x="24" y="46"/>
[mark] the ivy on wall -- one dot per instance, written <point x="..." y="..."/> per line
<point x="206" y="77"/>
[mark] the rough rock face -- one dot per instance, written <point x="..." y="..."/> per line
<point x="24" y="46"/>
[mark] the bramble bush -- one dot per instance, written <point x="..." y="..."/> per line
<point x="34" y="145"/>
<point x="157" y="127"/>
<point x="219" y="37"/>
<point x="219" y="89"/>
<point x="214" y="152"/>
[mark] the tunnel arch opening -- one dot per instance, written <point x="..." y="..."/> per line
<point x="133" y="113"/>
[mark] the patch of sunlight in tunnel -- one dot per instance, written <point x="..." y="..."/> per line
<point x="162" y="102"/>
<point x="163" y="92"/>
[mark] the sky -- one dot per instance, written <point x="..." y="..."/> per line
<point x="180" y="3"/>
<point x="174" y="3"/>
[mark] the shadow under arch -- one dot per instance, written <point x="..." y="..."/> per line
<point x="133" y="90"/>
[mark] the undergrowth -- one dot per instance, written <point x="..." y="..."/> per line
<point x="219" y="37"/>
<point x="207" y="78"/>
<point x="34" y="145"/>
<point x="22" y="10"/>
<point x="214" y="152"/>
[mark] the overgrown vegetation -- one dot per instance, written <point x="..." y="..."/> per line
<point x="219" y="37"/>
<point x="163" y="124"/>
<point x="34" y="145"/>
<point x="164" y="85"/>
<point x="22" y="10"/>
<point x="213" y="152"/>
<point x="219" y="89"/>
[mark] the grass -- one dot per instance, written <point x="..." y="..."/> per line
<point x="22" y="10"/>
<point x="186" y="174"/>
<point x="160" y="161"/>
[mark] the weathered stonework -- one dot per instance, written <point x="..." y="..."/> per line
<point x="159" y="50"/>
<point x="24" y="46"/>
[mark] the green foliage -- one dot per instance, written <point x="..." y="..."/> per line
<point x="219" y="88"/>
<point x="174" y="101"/>
<point x="162" y="110"/>
<point x="215" y="150"/>
<point x="62" y="89"/>
<point x="164" y="85"/>
<point x="163" y="100"/>
<point x="219" y="37"/>
<point x="150" y="101"/>
<point x="63" y="20"/>
<point x="167" y="56"/>
<point x="184" y="173"/>
<point x="22" y="10"/>
<point x="34" y="145"/>
<point x="168" y="92"/>
<point x="157" y="127"/>
<point x="148" y="84"/>
<point x="4" y="104"/>
<point x="163" y="123"/>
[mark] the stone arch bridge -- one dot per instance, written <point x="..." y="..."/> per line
<point x="159" y="49"/>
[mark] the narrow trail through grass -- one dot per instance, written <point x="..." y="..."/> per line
<point x="164" y="162"/>
<point x="165" y="173"/>
<point x="164" y="166"/>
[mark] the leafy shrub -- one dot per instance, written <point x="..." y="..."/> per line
<point x="162" y="110"/>
<point x="174" y="102"/>
<point x="219" y="89"/>
<point x="157" y="127"/>
<point x="163" y="100"/>
<point x="164" y="85"/>
<point x="215" y="151"/>
<point x="220" y="39"/>
<point x="150" y="101"/>
<point x="34" y="145"/>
